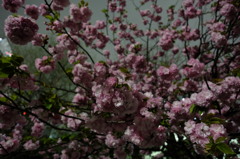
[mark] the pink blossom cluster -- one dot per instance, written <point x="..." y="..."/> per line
<point x="167" y="39"/>
<point x="194" y="68"/>
<point x="82" y="14"/>
<point x="82" y="75"/>
<point x="190" y="10"/>
<point x="71" y="122"/>
<point x="166" y="84"/>
<point x="32" y="11"/>
<point x="20" y="30"/>
<point x="199" y="132"/>
<point x="30" y="145"/>
<point x="45" y="65"/>
<point x="228" y="10"/>
<point x="39" y="39"/>
<point x="37" y="129"/>
<point x="170" y="73"/>
<point x="10" y="117"/>
<point x="23" y="82"/>
<point x="8" y="144"/>
<point x="12" y="5"/>
<point x="60" y="4"/>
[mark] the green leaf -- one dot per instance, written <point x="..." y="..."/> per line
<point x="165" y="122"/>
<point x="124" y="70"/>
<point x="8" y="65"/>
<point x="71" y="137"/>
<point x="82" y="3"/>
<point x="15" y="15"/>
<point x="106" y="115"/>
<point x="5" y="59"/>
<point x="214" y="4"/>
<point x="216" y="120"/>
<point x="123" y="85"/>
<point x="172" y="7"/>
<point x="110" y="21"/>
<point x="225" y="148"/>
<point x="49" y="17"/>
<point x="56" y="15"/>
<point x="208" y="146"/>
<point x="211" y="119"/>
<point x="58" y="34"/>
<point x="63" y="110"/>
<point x="69" y="72"/>
<point x="118" y="134"/>
<point x="3" y="75"/>
<point x="196" y="109"/>
<point x="16" y="60"/>
<point x="105" y="11"/>
<point x="2" y="65"/>
<point x="102" y="62"/>
<point x="145" y="99"/>
<point x="65" y="137"/>
<point x="153" y="110"/>
<point x="217" y="80"/>
<point x="7" y="69"/>
<point x="220" y="139"/>
<point x="48" y="141"/>
<point x="211" y="140"/>
<point x="14" y="97"/>
<point x="3" y="99"/>
<point x="192" y="109"/>
<point x="48" y="106"/>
